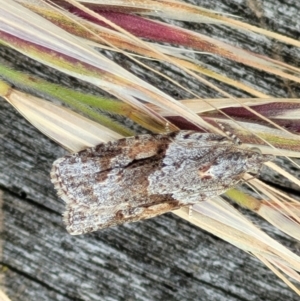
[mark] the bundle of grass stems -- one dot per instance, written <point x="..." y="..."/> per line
<point x="78" y="38"/>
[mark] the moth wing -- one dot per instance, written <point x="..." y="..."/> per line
<point x="89" y="220"/>
<point x="76" y="176"/>
<point x="107" y="185"/>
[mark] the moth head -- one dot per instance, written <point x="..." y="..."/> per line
<point x="254" y="159"/>
<point x="236" y="162"/>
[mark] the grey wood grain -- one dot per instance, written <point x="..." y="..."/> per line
<point x="164" y="258"/>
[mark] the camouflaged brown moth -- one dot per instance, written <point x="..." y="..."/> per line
<point x="136" y="178"/>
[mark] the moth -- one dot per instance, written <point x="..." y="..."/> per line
<point x="140" y="177"/>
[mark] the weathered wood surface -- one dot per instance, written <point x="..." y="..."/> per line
<point x="164" y="258"/>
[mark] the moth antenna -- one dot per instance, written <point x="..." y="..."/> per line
<point x="231" y="136"/>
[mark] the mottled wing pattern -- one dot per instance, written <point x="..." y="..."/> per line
<point x="100" y="190"/>
<point x="77" y="174"/>
<point x="185" y="166"/>
<point x="140" y="177"/>
<point x="89" y="220"/>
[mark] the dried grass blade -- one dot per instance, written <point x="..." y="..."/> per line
<point x="67" y="128"/>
